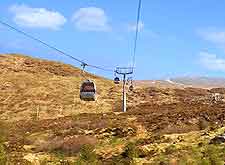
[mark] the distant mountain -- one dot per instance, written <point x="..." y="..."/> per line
<point x="182" y="82"/>
<point x="201" y="81"/>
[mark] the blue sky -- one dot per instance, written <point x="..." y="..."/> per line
<point x="177" y="38"/>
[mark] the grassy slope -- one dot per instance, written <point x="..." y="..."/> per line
<point x="65" y="123"/>
<point x="29" y="84"/>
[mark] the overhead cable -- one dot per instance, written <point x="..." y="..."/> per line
<point x="54" y="48"/>
<point x="138" y="26"/>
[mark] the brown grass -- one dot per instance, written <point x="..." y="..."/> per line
<point x="68" y="145"/>
<point x="52" y="89"/>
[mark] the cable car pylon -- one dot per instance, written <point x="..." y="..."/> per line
<point x="124" y="71"/>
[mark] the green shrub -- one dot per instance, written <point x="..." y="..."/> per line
<point x="214" y="154"/>
<point x="205" y="155"/>
<point x="59" y="154"/>
<point x="3" y="156"/>
<point x="171" y="149"/>
<point x="3" y="132"/>
<point x="75" y="117"/>
<point x="44" y="161"/>
<point x="131" y="151"/>
<point x="114" y="141"/>
<point x="87" y="154"/>
<point x="161" y="160"/>
<point x="119" y="160"/>
<point x="3" y="135"/>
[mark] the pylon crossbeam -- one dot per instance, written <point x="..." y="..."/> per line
<point x="124" y="70"/>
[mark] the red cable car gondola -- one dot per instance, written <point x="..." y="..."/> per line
<point x="88" y="91"/>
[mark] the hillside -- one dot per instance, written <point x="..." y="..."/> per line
<point x="43" y="121"/>
<point x="29" y="84"/>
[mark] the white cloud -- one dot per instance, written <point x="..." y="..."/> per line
<point x="132" y="27"/>
<point x="91" y="19"/>
<point x="213" y="35"/>
<point x="37" y="17"/>
<point x="212" y="62"/>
